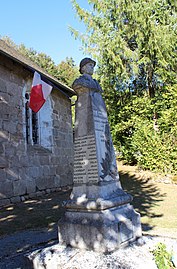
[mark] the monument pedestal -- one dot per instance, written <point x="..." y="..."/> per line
<point x="98" y="216"/>
<point x="103" y="223"/>
<point x="100" y="230"/>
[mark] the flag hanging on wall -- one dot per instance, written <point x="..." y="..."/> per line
<point x="40" y="90"/>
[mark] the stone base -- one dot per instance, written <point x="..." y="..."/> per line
<point x="61" y="257"/>
<point x="102" y="231"/>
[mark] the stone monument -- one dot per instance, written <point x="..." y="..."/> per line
<point x="99" y="215"/>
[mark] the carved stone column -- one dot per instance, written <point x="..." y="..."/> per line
<point x="98" y="216"/>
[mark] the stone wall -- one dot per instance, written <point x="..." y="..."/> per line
<point x="27" y="170"/>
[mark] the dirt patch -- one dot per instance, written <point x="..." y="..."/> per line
<point x="43" y="212"/>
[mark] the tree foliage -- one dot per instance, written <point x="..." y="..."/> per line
<point x="135" y="45"/>
<point x="129" y="37"/>
<point x="66" y="71"/>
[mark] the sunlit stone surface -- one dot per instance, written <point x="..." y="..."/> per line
<point x="99" y="215"/>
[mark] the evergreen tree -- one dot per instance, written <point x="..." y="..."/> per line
<point x="134" y="43"/>
<point x="126" y="35"/>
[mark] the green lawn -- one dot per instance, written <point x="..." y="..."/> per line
<point x="155" y="201"/>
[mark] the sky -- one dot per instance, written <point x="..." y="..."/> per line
<point x="43" y="26"/>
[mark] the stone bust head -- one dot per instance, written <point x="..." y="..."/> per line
<point x="87" y="66"/>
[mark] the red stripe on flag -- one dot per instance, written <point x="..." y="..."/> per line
<point x="36" y="98"/>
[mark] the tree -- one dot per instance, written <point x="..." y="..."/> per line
<point x="125" y="35"/>
<point x="66" y="71"/>
<point x="40" y="58"/>
<point x="134" y="43"/>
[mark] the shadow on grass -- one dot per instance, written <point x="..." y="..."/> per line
<point x="37" y="213"/>
<point x="145" y="194"/>
<point x="44" y="212"/>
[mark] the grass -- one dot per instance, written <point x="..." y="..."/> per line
<point x="156" y="202"/>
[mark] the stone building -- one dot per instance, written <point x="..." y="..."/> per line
<point x="36" y="149"/>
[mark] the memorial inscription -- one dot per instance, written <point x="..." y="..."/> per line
<point x="85" y="160"/>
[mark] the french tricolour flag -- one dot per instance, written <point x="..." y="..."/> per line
<point x="39" y="92"/>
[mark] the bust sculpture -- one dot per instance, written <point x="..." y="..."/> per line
<point x="87" y="66"/>
<point x="86" y="69"/>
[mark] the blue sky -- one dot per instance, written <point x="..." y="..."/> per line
<point x="43" y="26"/>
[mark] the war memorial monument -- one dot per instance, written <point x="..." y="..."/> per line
<point x="99" y="215"/>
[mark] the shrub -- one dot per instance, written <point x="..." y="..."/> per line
<point x="154" y="150"/>
<point x="163" y="258"/>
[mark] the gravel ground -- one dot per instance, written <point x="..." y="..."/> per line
<point x="132" y="257"/>
<point x="49" y="255"/>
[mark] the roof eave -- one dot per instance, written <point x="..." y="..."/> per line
<point x="69" y="91"/>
